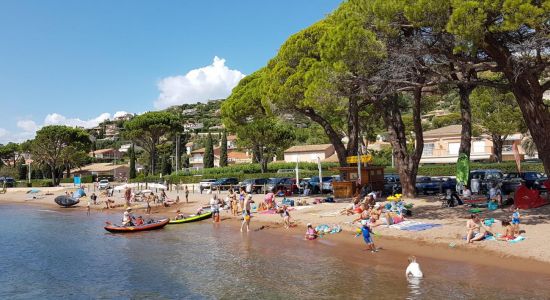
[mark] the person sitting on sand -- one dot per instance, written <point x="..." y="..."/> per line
<point x="370" y="200"/>
<point x="311" y="233"/>
<point x="508" y="234"/>
<point x="139" y="221"/>
<point x="365" y="214"/>
<point x="375" y="216"/>
<point x="350" y="210"/>
<point x="269" y="199"/>
<point x="474" y="226"/>
<point x="495" y="194"/>
<point x="466" y="193"/>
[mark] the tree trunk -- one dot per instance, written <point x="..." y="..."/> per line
<point x="353" y="127"/>
<point x="528" y="91"/>
<point x="54" y="175"/>
<point x="498" y="141"/>
<point x="466" y="117"/>
<point x="406" y="163"/>
<point x="333" y="136"/>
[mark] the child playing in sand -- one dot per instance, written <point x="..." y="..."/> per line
<point x="311" y="233"/>
<point x="366" y="232"/>
<point x="508" y="231"/>
<point x="515" y="221"/>
<point x="286" y="217"/>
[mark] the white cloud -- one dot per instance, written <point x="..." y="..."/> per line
<point x="120" y="114"/>
<point x="3" y="132"/>
<point x="57" y="119"/>
<point x="211" y="82"/>
<point x="6" y="136"/>
<point x="27" y="125"/>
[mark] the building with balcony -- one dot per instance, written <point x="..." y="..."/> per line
<point x="441" y="146"/>
<point x="308" y="153"/>
<point x="233" y="157"/>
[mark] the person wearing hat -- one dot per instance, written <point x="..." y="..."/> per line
<point x="127" y="218"/>
<point x="311" y="233"/>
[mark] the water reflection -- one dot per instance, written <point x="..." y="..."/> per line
<point x="415" y="287"/>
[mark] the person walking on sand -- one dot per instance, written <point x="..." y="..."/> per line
<point x="127" y="196"/>
<point x="246" y="213"/>
<point x="94" y="198"/>
<point x="186" y="194"/>
<point x="148" y="199"/>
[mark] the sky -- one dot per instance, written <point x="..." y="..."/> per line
<point x="81" y="62"/>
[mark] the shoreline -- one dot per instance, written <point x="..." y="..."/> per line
<point x="428" y="244"/>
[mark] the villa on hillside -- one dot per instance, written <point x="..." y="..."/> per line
<point x="441" y="146"/>
<point x="119" y="172"/>
<point x="233" y="157"/>
<point x="106" y="154"/>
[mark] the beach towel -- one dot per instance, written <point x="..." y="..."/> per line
<point x="420" y="227"/>
<point x="517" y="240"/>
<point x="414" y="226"/>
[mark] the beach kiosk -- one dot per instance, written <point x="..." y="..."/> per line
<point x="372" y="176"/>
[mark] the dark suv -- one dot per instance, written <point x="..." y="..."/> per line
<point x="254" y="185"/>
<point x="279" y="184"/>
<point x="533" y="180"/>
<point x="486" y="179"/>
<point x="8" y="181"/>
<point x="392" y="185"/>
<point x="225" y="183"/>
<point x="315" y="184"/>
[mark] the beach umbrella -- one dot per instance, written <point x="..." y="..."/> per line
<point x="462" y="169"/>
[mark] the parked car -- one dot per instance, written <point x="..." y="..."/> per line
<point x="315" y="184"/>
<point x="327" y="185"/>
<point x="392" y="185"/>
<point x="533" y="180"/>
<point x="8" y="181"/>
<point x="206" y="184"/>
<point x="434" y="185"/>
<point x="254" y="185"/>
<point x="224" y="184"/>
<point x="279" y="184"/>
<point x="485" y="178"/>
<point x="280" y="171"/>
<point x="104" y="184"/>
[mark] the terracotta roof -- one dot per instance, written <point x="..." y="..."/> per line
<point x="308" y="148"/>
<point x="98" y="167"/>
<point x="237" y="155"/>
<point x="450" y="130"/>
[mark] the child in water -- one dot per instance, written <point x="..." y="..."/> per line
<point x="311" y="233"/>
<point x="366" y="232"/>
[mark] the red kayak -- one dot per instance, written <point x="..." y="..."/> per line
<point x="122" y="229"/>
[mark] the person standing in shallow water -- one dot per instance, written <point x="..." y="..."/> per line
<point x="246" y="213"/>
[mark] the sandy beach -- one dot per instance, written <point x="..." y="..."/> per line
<point x="442" y="242"/>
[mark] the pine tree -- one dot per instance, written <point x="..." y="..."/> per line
<point x="223" y="151"/>
<point x="208" y="159"/>
<point x="132" y="162"/>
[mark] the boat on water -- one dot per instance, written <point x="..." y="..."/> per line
<point x="126" y="229"/>
<point x="192" y="218"/>
<point x="66" y="201"/>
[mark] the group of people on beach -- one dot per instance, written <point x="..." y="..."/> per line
<point x="478" y="230"/>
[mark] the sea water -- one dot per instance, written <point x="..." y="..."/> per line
<point x="62" y="253"/>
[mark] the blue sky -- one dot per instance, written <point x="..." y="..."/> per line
<point x="74" y="62"/>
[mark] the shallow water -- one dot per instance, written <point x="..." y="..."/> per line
<point x="49" y="254"/>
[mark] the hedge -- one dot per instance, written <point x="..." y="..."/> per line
<point x="450" y="169"/>
<point x="255" y="168"/>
